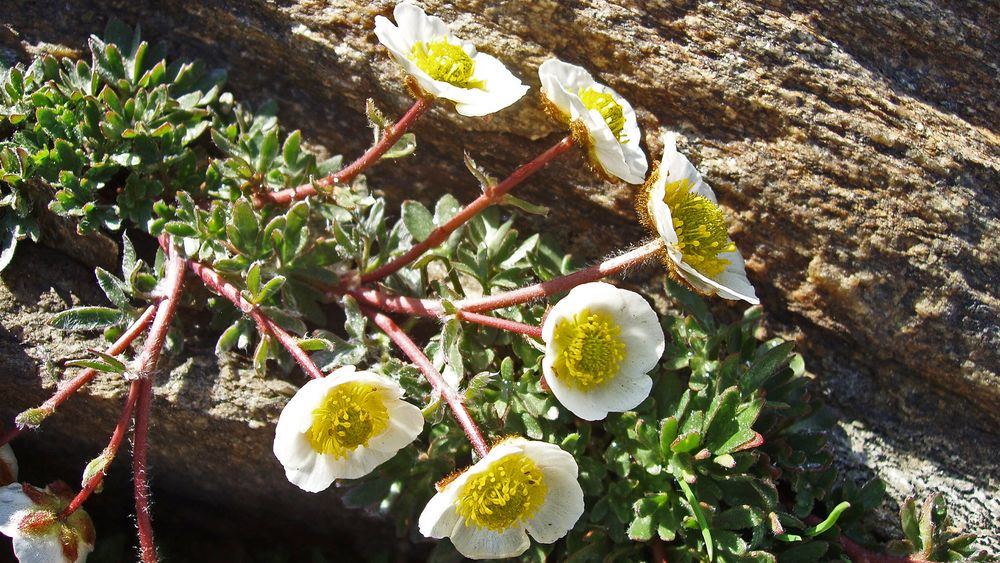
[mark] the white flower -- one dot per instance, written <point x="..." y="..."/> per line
<point x="342" y="427"/>
<point x="29" y="516"/>
<point x="683" y="210"/>
<point x="600" y="343"/>
<point x="521" y="487"/>
<point x="8" y="465"/>
<point x="612" y="131"/>
<point x="445" y="66"/>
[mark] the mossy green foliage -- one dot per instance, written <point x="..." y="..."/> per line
<point x="726" y="460"/>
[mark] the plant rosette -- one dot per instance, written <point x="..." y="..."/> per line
<point x="446" y="67"/>
<point x="343" y="426"/>
<point x="30" y="517"/>
<point x="600" y="344"/>
<point x="8" y="465"/>
<point x="681" y="208"/>
<point x="520" y="488"/>
<point x="601" y="119"/>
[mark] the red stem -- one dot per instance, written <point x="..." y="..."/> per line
<point x="389" y="137"/>
<point x="84" y="377"/>
<point x="433" y="377"/>
<point x="264" y="324"/>
<point x="565" y="283"/>
<point x="109" y="452"/>
<point x="488" y="198"/>
<point x="502" y="324"/>
<point x="432" y="308"/>
<point x="140" y="448"/>
<point x="147" y="362"/>
<point x="659" y="551"/>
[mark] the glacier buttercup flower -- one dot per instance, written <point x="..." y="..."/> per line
<point x="445" y="66"/>
<point x="600" y="344"/>
<point x="343" y="426"/>
<point x="520" y="488"/>
<point x="29" y="516"/>
<point x="8" y="465"/>
<point x="681" y="207"/>
<point x="612" y="133"/>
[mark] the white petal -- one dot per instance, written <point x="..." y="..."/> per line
<point x="415" y="25"/>
<point x="41" y="549"/>
<point x="483" y="543"/>
<point x="304" y="466"/>
<point x="8" y="458"/>
<point x="732" y="283"/>
<point x="660" y="211"/>
<point x="620" y="394"/>
<point x="358" y="463"/>
<point x="562" y="508"/>
<point x="501" y="88"/>
<point x="640" y="332"/>
<point x="675" y="166"/>
<point x="550" y="457"/>
<point x="12" y="501"/>
<point x="405" y="424"/>
<point x="561" y="83"/>
<point x="439" y="517"/>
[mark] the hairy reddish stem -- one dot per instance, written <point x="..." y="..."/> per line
<point x="345" y="175"/>
<point x="434" y="377"/>
<point x="489" y="197"/>
<point x="84" y="377"/>
<point x="596" y="272"/>
<point x="432" y="308"/>
<point x="109" y="453"/>
<point x="266" y="326"/>
<point x="145" y="368"/>
<point x="140" y="449"/>
<point x="502" y="324"/>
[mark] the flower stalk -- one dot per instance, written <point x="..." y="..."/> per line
<point x="488" y="198"/>
<point x="214" y="281"/>
<point x="145" y="367"/>
<point x="389" y="138"/>
<point x="434" y="377"/>
<point x="109" y="453"/>
<point x="84" y="377"/>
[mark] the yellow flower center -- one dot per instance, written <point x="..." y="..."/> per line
<point x="700" y="227"/>
<point x="610" y="110"/>
<point x="588" y="349"/>
<point x="349" y="416"/>
<point x="509" y="491"/>
<point x="445" y="62"/>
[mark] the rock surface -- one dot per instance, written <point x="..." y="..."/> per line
<point x="854" y="146"/>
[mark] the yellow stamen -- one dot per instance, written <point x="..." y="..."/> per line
<point x="510" y="491"/>
<point x="349" y="416"/>
<point x="446" y="62"/>
<point x="700" y="227"/>
<point x="588" y="349"/>
<point x="609" y="109"/>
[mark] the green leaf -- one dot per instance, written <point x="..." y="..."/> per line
<point x="418" y="220"/>
<point x="405" y="146"/>
<point x="260" y="355"/>
<point x="243" y="229"/>
<point x="830" y="520"/>
<point x="524" y="205"/>
<point x="87" y="318"/>
<point x="253" y="279"/>
<point x="486" y="181"/>
<point x="451" y="343"/>
<point x="766" y="366"/>
<point x="114" y="288"/>
<point x="272" y="287"/>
